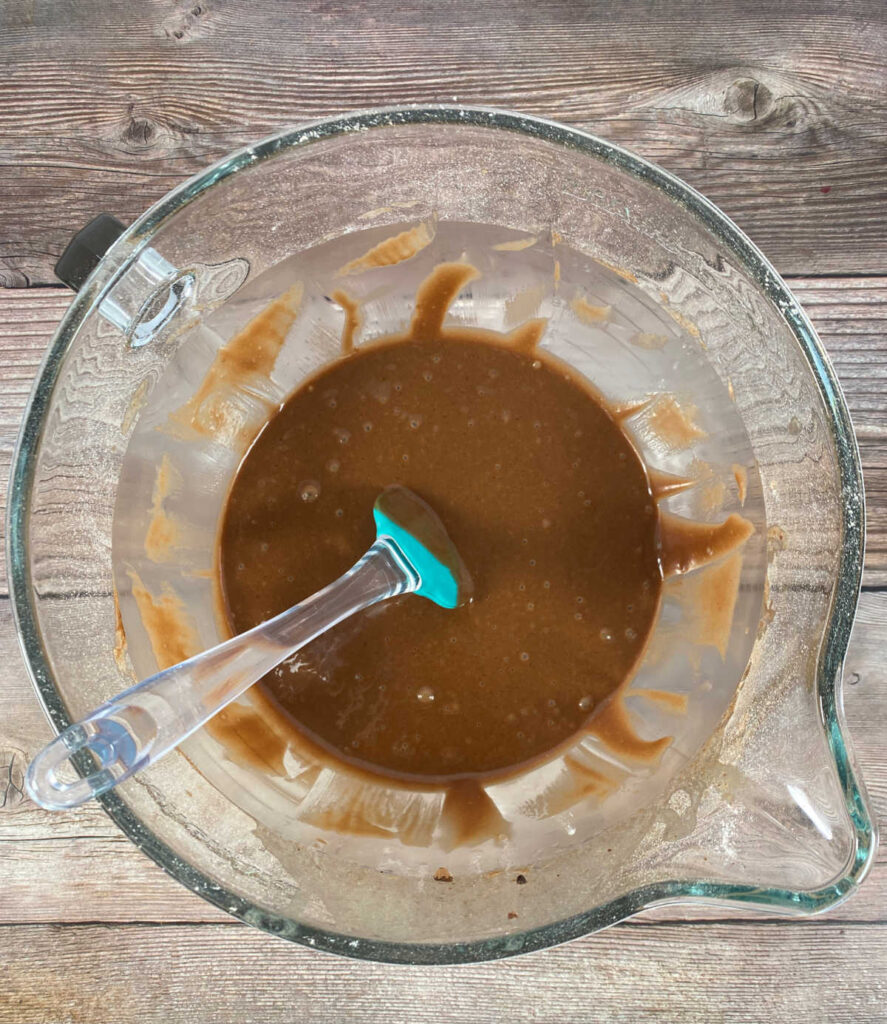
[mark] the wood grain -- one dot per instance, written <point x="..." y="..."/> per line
<point x="776" y="112"/>
<point x="75" y="867"/>
<point x="228" y="975"/>
<point x="94" y="932"/>
<point x="851" y="319"/>
<point x="850" y="315"/>
<point x="70" y="865"/>
<point x="72" y="868"/>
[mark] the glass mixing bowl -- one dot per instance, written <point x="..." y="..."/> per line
<point x="648" y="290"/>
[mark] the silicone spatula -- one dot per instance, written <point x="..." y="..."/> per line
<point x="412" y="553"/>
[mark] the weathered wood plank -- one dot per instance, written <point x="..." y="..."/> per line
<point x="77" y="863"/>
<point x="776" y="112"/>
<point x="850" y="315"/>
<point x="865" y="704"/>
<point x="229" y="975"/>
<point x="76" y="866"/>
<point x="851" y="319"/>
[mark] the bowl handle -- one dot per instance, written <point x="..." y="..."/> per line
<point x="85" y="250"/>
<point x="150" y="299"/>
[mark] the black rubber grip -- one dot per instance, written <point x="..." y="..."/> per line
<point x="86" y="249"/>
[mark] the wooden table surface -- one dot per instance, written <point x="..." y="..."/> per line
<point x="775" y="110"/>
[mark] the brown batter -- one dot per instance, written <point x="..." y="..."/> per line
<point x="546" y="500"/>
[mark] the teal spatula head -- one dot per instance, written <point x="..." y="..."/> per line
<point x="405" y="520"/>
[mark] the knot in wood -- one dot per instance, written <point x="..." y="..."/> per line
<point x="748" y="100"/>
<point x="184" y="23"/>
<point x="12" y="777"/>
<point x="139" y="131"/>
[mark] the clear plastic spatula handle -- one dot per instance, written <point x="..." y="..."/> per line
<point x="145" y="722"/>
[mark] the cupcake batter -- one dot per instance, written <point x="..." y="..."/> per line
<point x="546" y="500"/>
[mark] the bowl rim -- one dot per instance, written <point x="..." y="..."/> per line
<point x="832" y="651"/>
